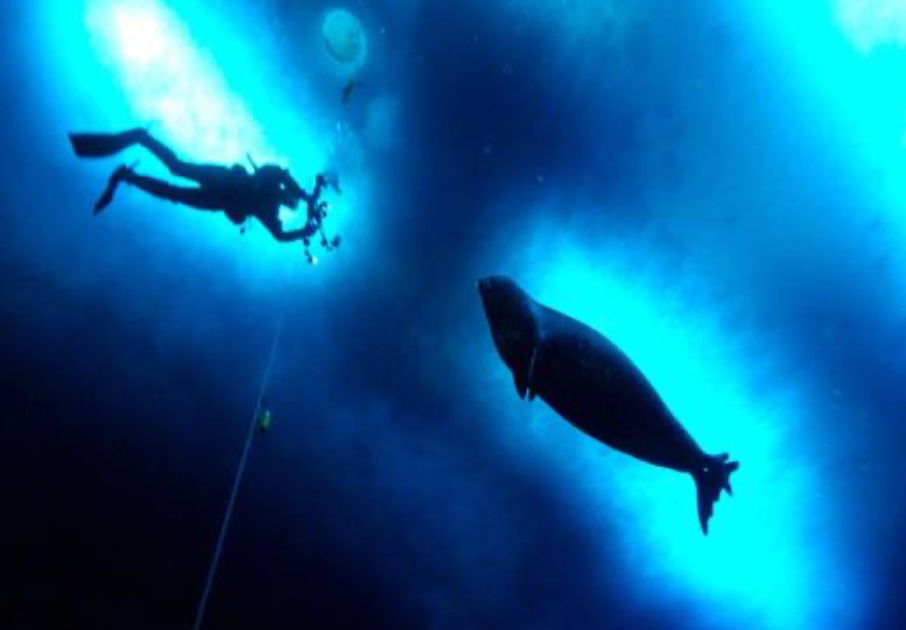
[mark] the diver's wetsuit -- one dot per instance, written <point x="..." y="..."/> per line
<point x="232" y="190"/>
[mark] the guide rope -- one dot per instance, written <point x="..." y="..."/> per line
<point x="243" y="460"/>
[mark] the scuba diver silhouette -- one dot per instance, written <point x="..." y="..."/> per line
<point x="228" y="189"/>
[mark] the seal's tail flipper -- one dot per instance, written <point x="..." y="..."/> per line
<point x="710" y="479"/>
<point x="95" y="145"/>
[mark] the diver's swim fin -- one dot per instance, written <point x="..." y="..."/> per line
<point x="709" y="481"/>
<point x="95" y="145"/>
<point x="107" y="196"/>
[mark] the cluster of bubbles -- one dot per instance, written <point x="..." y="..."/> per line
<point x="344" y="37"/>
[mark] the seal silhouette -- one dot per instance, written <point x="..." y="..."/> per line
<point x="588" y="381"/>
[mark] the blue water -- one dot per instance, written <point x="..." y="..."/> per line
<point x="718" y="190"/>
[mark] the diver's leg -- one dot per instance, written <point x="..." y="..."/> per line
<point x="95" y="145"/>
<point x="197" y="198"/>
<point x="201" y="173"/>
<point x="194" y="197"/>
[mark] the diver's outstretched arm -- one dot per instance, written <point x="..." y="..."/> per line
<point x="314" y="196"/>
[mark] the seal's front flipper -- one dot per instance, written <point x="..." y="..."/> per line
<point x="523" y="380"/>
<point x="521" y="385"/>
<point x="710" y="479"/>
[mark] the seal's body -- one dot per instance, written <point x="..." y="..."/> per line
<point x="588" y="381"/>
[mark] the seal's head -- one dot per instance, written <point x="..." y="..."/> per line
<point x="514" y="327"/>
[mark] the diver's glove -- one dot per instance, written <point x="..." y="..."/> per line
<point x="331" y="179"/>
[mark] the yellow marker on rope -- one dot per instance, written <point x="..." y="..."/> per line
<point x="264" y="420"/>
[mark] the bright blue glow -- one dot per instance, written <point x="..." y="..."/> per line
<point x="845" y="62"/>
<point x="871" y="23"/>
<point x="212" y="87"/>
<point x="772" y="559"/>
<point x="169" y="81"/>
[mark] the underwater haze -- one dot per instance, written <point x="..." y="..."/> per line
<point x="720" y="188"/>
